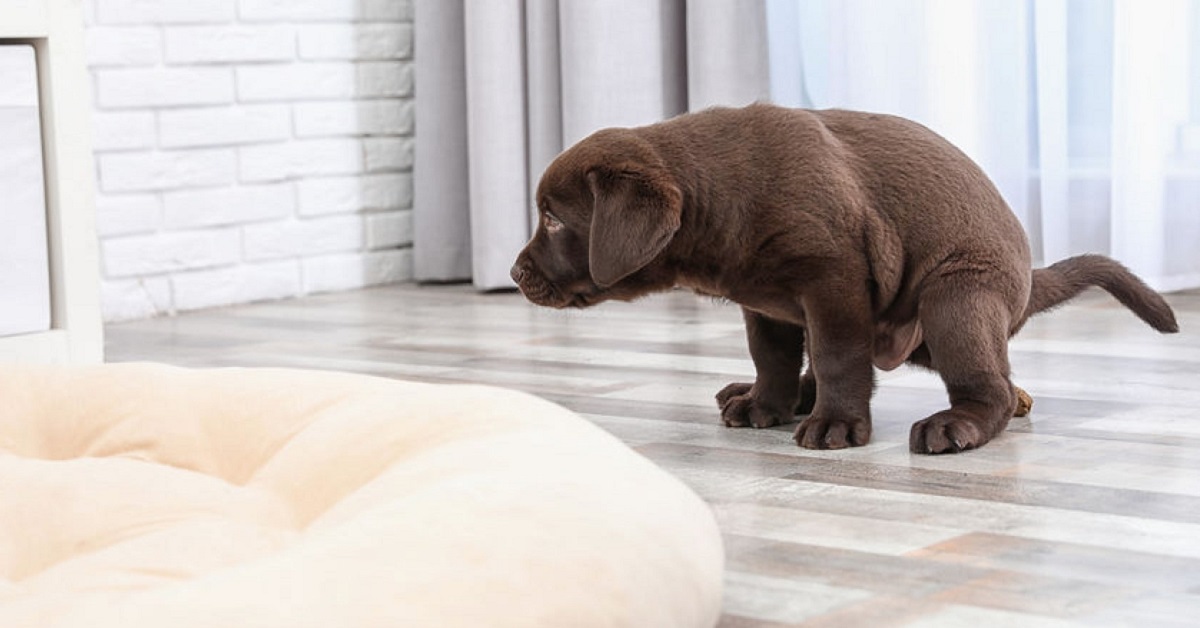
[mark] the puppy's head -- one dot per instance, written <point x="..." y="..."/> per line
<point x="607" y="208"/>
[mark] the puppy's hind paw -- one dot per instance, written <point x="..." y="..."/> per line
<point x="741" y="409"/>
<point x="1024" y="403"/>
<point x="948" y="432"/>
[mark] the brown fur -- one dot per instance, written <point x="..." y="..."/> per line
<point x="852" y="238"/>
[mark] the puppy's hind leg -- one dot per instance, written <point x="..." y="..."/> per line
<point x="777" y="349"/>
<point x="920" y="357"/>
<point x="966" y="334"/>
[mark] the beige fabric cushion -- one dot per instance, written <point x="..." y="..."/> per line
<point x="145" y="495"/>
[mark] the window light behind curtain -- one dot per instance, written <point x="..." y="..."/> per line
<point x="1085" y="113"/>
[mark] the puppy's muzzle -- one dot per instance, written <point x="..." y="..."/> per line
<point x="532" y="284"/>
<point x="519" y="273"/>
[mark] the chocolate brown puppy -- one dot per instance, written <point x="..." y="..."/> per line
<point x="858" y="240"/>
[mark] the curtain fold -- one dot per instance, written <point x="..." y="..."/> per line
<point x="497" y="176"/>
<point x="441" y="216"/>
<point x="726" y="53"/>
<point x="1150" y="91"/>
<point x="1053" y="158"/>
<point x="543" y="86"/>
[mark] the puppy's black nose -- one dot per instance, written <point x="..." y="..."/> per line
<point x="518" y="273"/>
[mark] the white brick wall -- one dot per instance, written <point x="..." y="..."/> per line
<point x="162" y="11"/>
<point x="249" y="149"/>
<point x="217" y="126"/>
<point x="123" y="88"/>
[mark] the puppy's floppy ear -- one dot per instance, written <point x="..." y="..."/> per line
<point x="635" y="214"/>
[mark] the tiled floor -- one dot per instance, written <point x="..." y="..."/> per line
<point x="1085" y="513"/>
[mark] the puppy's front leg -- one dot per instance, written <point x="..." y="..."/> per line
<point x="777" y="349"/>
<point x="840" y="337"/>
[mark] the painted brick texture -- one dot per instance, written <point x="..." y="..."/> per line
<point x="249" y="149"/>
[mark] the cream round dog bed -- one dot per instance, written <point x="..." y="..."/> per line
<point x="145" y="495"/>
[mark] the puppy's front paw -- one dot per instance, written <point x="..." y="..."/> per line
<point x="741" y="409"/>
<point x="830" y="431"/>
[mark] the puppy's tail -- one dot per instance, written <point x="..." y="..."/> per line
<point x="1060" y="282"/>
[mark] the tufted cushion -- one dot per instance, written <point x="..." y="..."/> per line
<point x="145" y="495"/>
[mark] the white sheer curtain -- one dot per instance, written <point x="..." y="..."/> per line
<point x="1084" y="112"/>
<point x="502" y="86"/>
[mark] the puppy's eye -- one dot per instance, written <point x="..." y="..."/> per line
<point x="551" y="222"/>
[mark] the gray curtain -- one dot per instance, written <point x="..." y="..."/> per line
<point x="502" y="86"/>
